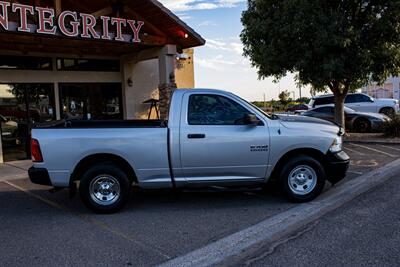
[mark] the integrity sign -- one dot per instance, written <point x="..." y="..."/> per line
<point x="69" y="23"/>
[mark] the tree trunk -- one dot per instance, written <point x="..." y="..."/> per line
<point x="339" y="109"/>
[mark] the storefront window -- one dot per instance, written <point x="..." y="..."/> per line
<point x="21" y="105"/>
<point x="75" y="64"/>
<point x="95" y="101"/>
<point x="25" y="63"/>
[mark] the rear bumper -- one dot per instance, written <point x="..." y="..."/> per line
<point x="39" y="176"/>
<point x="337" y="166"/>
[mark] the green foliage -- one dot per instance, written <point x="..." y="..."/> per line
<point x="284" y="97"/>
<point x="392" y="128"/>
<point x="332" y="44"/>
<point x="304" y="100"/>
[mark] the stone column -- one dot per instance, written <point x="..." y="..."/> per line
<point x="165" y="91"/>
<point x="167" y="78"/>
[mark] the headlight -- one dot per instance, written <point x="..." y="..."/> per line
<point x="336" y="145"/>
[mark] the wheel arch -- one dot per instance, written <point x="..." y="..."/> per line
<point x="312" y="152"/>
<point x="90" y="160"/>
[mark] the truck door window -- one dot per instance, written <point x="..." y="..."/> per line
<point x="214" y="110"/>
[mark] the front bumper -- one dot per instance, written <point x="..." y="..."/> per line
<point x="39" y="176"/>
<point x="337" y="166"/>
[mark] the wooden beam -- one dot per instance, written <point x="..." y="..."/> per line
<point x="103" y="12"/>
<point x="57" y="7"/>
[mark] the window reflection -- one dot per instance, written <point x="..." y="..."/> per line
<point x="21" y="105"/>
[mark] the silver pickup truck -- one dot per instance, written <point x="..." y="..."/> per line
<point x="211" y="138"/>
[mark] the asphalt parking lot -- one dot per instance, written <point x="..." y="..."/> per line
<point x="43" y="228"/>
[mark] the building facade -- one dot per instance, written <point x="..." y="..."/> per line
<point x="87" y="60"/>
<point x="390" y="89"/>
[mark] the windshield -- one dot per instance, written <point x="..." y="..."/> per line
<point x="269" y="116"/>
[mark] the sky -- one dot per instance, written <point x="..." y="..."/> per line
<point x="220" y="63"/>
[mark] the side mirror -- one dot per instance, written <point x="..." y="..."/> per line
<point x="251" y="119"/>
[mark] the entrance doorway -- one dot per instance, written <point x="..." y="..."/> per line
<point x="21" y="105"/>
<point x="93" y="101"/>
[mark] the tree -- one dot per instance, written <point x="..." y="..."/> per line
<point x="284" y="97"/>
<point x="336" y="45"/>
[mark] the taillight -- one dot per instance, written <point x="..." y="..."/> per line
<point x="35" y="151"/>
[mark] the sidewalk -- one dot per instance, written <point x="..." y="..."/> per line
<point x="14" y="170"/>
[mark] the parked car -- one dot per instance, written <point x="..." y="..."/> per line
<point x="8" y="131"/>
<point x="211" y="138"/>
<point x="360" y="102"/>
<point x="297" y="108"/>
<point x="355" y="121"/>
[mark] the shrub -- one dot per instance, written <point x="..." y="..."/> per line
<point x="392" y="127"/>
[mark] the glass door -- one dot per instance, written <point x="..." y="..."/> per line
<point x="92" y="101"/>
<point x="21" y="105"/>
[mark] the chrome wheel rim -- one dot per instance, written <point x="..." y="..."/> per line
<point x="105" y="190"/>
<point x="302" y="180"/>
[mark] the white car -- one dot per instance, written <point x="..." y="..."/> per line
<point x="360" y="102"/>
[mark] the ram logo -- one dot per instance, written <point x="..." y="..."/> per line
<point x="260" y="148"/>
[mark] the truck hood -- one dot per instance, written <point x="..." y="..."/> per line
<point x="310" y="123"/>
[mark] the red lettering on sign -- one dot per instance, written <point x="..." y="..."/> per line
<point x="106" y="34"/>
<point x="88" y="24"/>
<point x="73" y="23"/>
<point x="4" y="17"/>
<point x="135" y="29"/>
<point x="23" y="13"/>
<point x="118" y="24"/>
<point x="43" y="20"/>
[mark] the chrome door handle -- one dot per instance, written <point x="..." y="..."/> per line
<point x="196" y="136"/>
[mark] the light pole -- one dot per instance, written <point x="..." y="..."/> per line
<point x="299" y="90"/>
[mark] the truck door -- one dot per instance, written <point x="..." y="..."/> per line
<point x="215" y="143"/>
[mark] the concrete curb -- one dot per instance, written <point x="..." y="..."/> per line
<point x="278" y="227"/>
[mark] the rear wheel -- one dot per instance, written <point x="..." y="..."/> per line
<point x="105" y="188"/>
<point x="302" y="178"/>
<point x="362" y="125"/>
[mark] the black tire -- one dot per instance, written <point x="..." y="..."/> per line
<point x="387" y="111"/>
<point x="362" y="125"/>
<point x="298" y="163"/>
<point x="110" y="174"/>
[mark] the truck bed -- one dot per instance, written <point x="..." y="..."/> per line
<point x="92" y="124"/>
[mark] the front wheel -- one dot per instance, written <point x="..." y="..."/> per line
<point x="105" y="188"/>
<point x="302" y="178"/>
<point x="362" y="125"/>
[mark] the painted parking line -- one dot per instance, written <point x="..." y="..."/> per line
<point x="389" y="147"/>
<point x="354" y="151"/>
<point x="92" y="221"/>
<point x="376" y="150"/>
